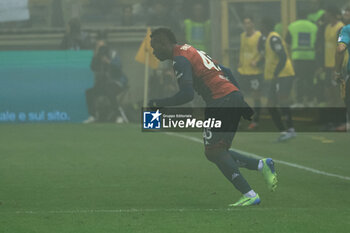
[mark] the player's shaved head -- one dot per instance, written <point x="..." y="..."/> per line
<point x="162" y="41"/>
<point x="166" y="32"/>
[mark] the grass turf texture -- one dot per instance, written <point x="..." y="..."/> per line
<point x="113" y="178"/>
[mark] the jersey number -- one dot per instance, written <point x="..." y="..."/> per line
<point x="207" y="61"/>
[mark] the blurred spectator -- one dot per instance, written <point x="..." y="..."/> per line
<point x="301" y="37"/>
<point x="250" y="73"/>
<point x="279" y="71"/>
<point x="197" y="28"/>
<point x="341" y="75"/>
<point x="110" y="82"/>
<point x="333" y="27"/>
<point x="127" y="16"/>
<point x="74" y="38"/>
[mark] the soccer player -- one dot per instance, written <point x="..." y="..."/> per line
<point x="250" y="72"/>
<point x="331" y="34"/>
<point x="280" y="73"/>
<point x="195" y="70"/>
<point x="343" y="44"/>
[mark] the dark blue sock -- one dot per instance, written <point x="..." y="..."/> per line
<point x="244" y="161"/>
<point x="229" y="168"/>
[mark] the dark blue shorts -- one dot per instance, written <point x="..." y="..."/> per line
<point x="229" y="109"/>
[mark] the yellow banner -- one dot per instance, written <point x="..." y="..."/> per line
<point x="146" y="49"/>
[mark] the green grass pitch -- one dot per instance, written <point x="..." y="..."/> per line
<point x="114" y="178"/>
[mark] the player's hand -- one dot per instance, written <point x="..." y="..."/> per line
<point x="338" y="77"/>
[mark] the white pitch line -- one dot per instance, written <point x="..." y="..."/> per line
<point x="277" y="161"/>
<point x="133" y="210"/>
<point x="120" y="211"/>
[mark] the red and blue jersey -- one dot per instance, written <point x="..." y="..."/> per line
<point x="195" y="70"/>
<point x="208" y="79"/>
